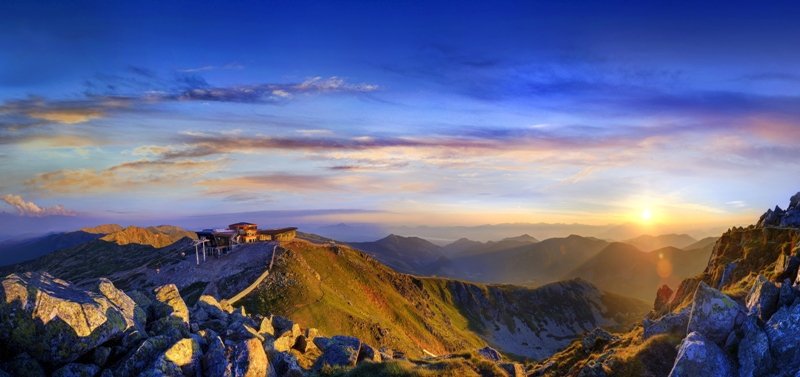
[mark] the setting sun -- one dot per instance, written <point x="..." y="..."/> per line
<point x="646" y="214"/>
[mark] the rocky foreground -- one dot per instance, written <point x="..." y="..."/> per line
<point x="740" y="317"/>
<point x="50" y="327"/>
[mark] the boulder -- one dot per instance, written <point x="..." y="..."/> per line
<point x="514" y="369"/>
<point x="250" y="360"/>
<point x="783" y="331"/>
<point x="77" y="370"/>
<point x="596" y="339"/>
<point x="266" y="328"/>
<point x="727" y="275"/>
<point x="302" y="344"/>
<point x="215" y="360"/>
<point x="322" y="342"/>
<point x="762" y="300"/>
<point x="23" y="365"/>
<point x="753" y="353"/>
<point x="340" y="351"/>
<point x="668" y="323"/>
<point x="713" y="314"/>
<point x="182" y="357"/>
<point x="55" y="322"/>
<point x="368" y="353"/>
<point x="699" y="356"/>
<point x="170" y="304"/>
<point x="285" y="364"/>
<point x="283" y="343"/>
<point x="663" y="296"/>
<point x="490" y="354"/>
<point x="212" y="307"/>
<point x="143" y="356"/>
<point x="100" y="355"/>
<point x="786" y="294"/>
<point x="283" y="325"/>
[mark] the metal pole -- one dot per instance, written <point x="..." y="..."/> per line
<point x="204" y="250"/>
<point x="196" y="254"/>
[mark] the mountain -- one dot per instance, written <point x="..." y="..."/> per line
<point x="494" y="246"/>
<point x="531" y="264"/>
<point x="345" y="291"/>
<point x="460" y="245"/>
<point x="702" y="244"/>
<point x="625" y="269"/>
<point x="155" y="236"/>
<point x="405" y="254"/>
<point x="649" y="243"/>
<point x="738" y="316"/>
<point x="12" y="252"/>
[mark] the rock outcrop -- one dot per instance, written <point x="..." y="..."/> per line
<point x="699" y="356"/>
<point x="713" y="314"/>
<point x="780" y="218"/>
<point x="57" y="323"/>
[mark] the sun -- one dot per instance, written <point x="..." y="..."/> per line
<point x="646" y="214"/>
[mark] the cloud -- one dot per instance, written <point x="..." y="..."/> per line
<point x="229" y="66"/>
<point x="286" y="182"/>
<point x="139" y="174"/>
<point x="31" y="209"/>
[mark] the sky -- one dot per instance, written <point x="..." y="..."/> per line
<point x="413" y="113"/>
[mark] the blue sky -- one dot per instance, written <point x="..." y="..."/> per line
<point x="405" y="112"/>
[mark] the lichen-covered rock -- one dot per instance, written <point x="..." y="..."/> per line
<point x="212" y="307"/>
<point x="669" y="323"/>
<point x="266" y="328"/>
<point x="183" y="356"/>
<point x="170" y="304"/>
<point x="699" y="356"/>
<point x="596" y="339"/>
<point x="285" y="364"/>
<point x="322" y="342"/>
<point x="283" y="343"/>
<point x="490" y="354"/>
<point x="250" y="360"/>
<point x="143" y="356"/>
<point x="753" y="352"/>
<point x="100" y="355"/>
<point x="713" y="314"/>
<point x="340" y="351"/>
<point x="55" y="322"/>
<point x="783" y="331"/>
<point x="762" y="300"/>
<point x="77" y="370"/>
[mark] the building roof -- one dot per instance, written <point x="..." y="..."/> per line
<point x="241" y="224"/>
<point x="276" y="231"/>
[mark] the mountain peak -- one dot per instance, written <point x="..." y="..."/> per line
<point x="103" y="229"/>
<point x="790" y="218"/>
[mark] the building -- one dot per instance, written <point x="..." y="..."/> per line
<point x="248" y="232"/>
<point x="282" y="234"/>
<point x="220" y="241"/>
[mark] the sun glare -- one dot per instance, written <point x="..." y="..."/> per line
<point x="646" y="214"/>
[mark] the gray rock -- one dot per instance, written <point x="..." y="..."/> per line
<point x="211" y="307"/>
<point x="669" y="323"/>
<point x="340" y="351"/>
<point x="55" y="322"/>
<point x="266" y="327"/>
<point x="182" y="358"/>
<point x="513" y="369"/>
<point x="23" y="365"/>
<point x="250" y="360"/>
<point x="786" y="295"/>
<point x="754" y="355"/>
<point x="699" y="356"/>
<point x="490" y="354"/>
<point x="143" y="356"/>
<point x="100" y="355"/>
<point x="170" y="304"/>
<point x="77" y="370"/>
<point x="285" y="364"/>
<point x="322" y="342"/>
<point x="727" y="275"/>
<point x="596" y="339"/>
<point x="713" y="314"/>
<point x="215" y="360"/>
<point x="763" y="298"/>
<point x="368" y="353"/>
<point x="783" y="331"/>
<point x="282" y="324"/>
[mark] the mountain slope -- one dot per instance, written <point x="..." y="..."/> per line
<point x="495" y="246"/>
<point x="352" y="293"/>
<point x="405" y="254"/>
<point x="19" y="251"/>
<point x="649" y="243"/>
<point x="704" y="243"/>
<point x="624" y="269"/>
<point x="533" y="264"/>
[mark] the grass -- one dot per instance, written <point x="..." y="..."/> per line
<point x="457" y="366"/>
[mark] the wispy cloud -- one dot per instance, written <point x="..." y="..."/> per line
<point x="31" y="209"/>
<point x="204" y="68"/>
